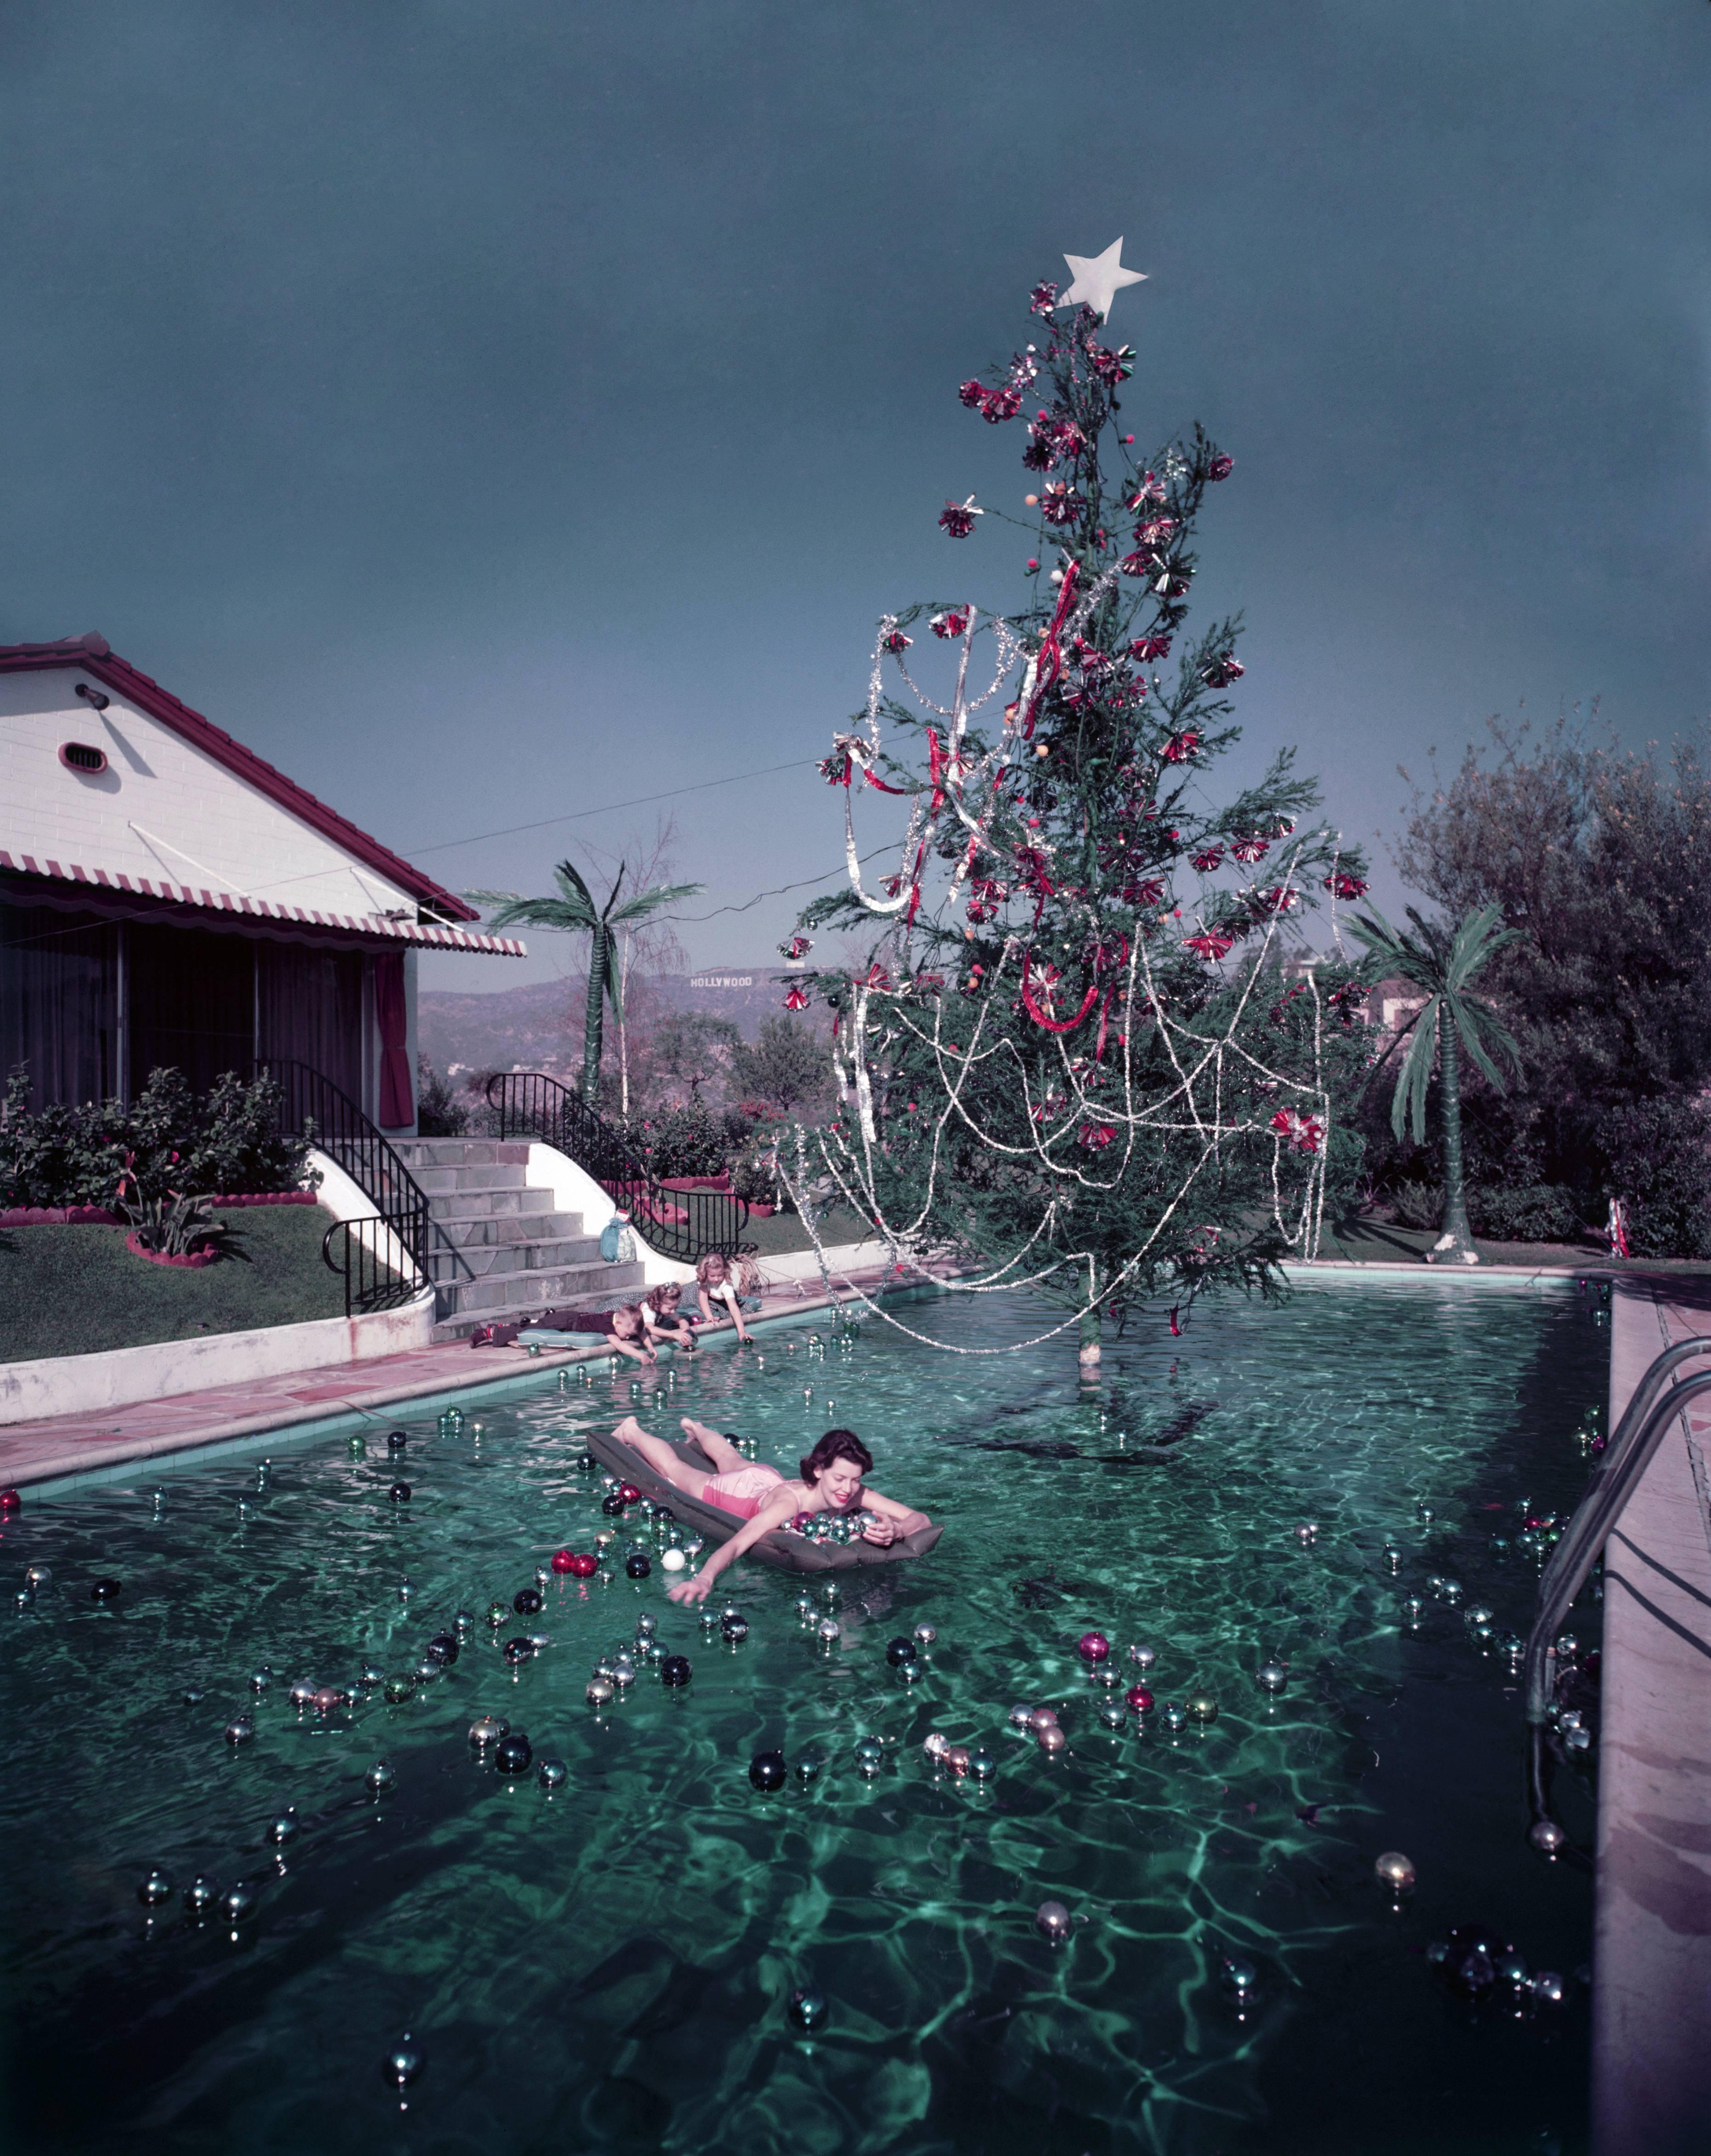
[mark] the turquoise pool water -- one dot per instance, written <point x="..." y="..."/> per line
<point x="607" y="1966"/>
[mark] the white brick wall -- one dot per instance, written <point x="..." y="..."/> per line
<point x="161" y="810"/>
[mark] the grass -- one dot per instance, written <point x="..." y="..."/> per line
<point x="75" y="1290"/>
<point x="784" y="1231"/>
<point x="1365" y="1241"/>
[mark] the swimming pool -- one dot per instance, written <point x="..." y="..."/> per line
<point x="607" y="1966"/>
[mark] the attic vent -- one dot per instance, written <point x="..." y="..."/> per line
<point x="78" y="756"/>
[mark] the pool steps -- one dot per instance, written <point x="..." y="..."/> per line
<point x="522" y="1255"/>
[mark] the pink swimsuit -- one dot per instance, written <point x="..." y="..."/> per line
<point x="743" y="1492"/>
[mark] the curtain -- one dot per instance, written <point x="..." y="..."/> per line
<point x="310" y="1002"/>
<point x="60" y="1003"/>
<point x="398" y="1104"/>
<point x="191" y="1003"/>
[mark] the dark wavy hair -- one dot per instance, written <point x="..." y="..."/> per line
<point x="835" y="1444"/>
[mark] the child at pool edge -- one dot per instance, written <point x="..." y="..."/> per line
<point x="831" y="1482"/>
<point x="716" y="1280"/>
<point x="663" y="1319"/>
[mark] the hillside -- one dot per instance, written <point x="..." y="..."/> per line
<point x="539" y="1027"/>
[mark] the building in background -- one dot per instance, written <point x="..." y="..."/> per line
<point x="168" y="898"/>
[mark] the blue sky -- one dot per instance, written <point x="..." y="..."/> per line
<point x="492" y="412"/>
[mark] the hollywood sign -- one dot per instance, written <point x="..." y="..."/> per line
<point x="722" y="981"/>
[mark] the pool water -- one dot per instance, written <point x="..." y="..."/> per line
<point x="607" y="1966"/>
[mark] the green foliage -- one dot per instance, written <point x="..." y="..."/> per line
<point x="682" y="1141"/>
<point x="440" y="1113"/>
<point x="1444" y="963"/>
<point x="787" y="1069"/>
<point x="175" y="1227"/>
<point x="1520" y="1212"/>
<point x="693" y="1048"/>
<point x="1657" y="1157"/>
<point x="165" y="1142"/>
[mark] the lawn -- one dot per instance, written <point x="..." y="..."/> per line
<point x="1379" y="1242"/>
<point x="74" y="1291"/>
<point x="784" y="1231"/>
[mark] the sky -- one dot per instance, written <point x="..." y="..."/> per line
<point x="497" y="411"/>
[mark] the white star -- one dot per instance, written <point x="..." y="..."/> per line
<point x="1099" y="279"/>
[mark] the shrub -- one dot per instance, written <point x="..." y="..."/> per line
<point x="1418" y="1205"/>
<point x="165" y="1142"/>
<point x="1657" y="1157"/>
<point x="439" y="1112"/>
<point x="1525" y="1213"/>
<point x="686" y="1140"/>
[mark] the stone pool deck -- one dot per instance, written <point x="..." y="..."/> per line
<point x="1651" y="1960"/>
<point x="65" y="1447"/>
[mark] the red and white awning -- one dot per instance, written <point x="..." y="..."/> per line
<point x="437" y="935"/>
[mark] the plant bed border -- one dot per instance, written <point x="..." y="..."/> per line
<point x="98" y="1216"/>
<point x="194" y="1259"/>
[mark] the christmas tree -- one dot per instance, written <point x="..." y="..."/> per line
<point x="1074" y="1050"/>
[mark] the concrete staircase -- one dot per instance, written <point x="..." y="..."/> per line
<point x="523" y="1255"/>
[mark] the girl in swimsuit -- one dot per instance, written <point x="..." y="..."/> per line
<point x="717" y="1281"/>
<point x="662" y="1318"/>
<point x="763" y="1498"/>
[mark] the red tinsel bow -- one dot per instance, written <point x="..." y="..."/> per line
<point x="1050" y="663"/>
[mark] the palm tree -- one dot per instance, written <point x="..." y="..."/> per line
<point x="1443" y="964"/>
<point x="574" y="909"/>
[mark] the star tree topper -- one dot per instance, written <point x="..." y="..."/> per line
<point x="1099" y="279"/>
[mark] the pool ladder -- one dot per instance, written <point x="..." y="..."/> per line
<point x="1656" y="1403"/>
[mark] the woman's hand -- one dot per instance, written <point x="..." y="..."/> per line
<point x="879" y="1530"/>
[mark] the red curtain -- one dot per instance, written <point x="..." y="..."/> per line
<point x="397" y="1105"/>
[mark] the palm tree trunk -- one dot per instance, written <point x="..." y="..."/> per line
<point x="1454" y="1245"/>
<point x="594" y="1017"/>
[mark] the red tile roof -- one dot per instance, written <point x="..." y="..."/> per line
<point x="92" y="655"/>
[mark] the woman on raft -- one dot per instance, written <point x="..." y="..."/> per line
<point x="763" y="1498"/>
<point x="719" y="1280"/>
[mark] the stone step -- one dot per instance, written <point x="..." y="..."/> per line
<point x="555" y="1254"/>
<point x="469" y="1230"/>
<point x="466" y="1205"/>
<point x="463" y="1152"/>
<point x="513" y="1295"/>
<point x="454" y="1179"/>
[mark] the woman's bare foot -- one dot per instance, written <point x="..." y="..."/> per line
<point x="719" y="1448"/>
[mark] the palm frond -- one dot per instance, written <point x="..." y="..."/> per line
<point x="1408" y="1102"/>
<point x="647" y="902"/>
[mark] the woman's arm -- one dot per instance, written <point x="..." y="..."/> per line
<point x="777" y="1512"/>
<point x="901" y="1519"/>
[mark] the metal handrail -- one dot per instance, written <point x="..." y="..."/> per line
<point x="529" y="1103"/>
<point x="368" y="1247"/>
<point x="1584" y="1538"/>
<point x="313" y="1107"/>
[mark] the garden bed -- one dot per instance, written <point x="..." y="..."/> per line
<point x="77" y="1290"/>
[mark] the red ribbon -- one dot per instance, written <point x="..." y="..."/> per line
<point x="1051" y="648"/>
<point x="1039" y="1017"/>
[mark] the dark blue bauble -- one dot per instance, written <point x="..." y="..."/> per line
<point x="899" y="1650"/>
<point x="513" y="1754"/>
<point x="808" y="2008"/>
<point x="766" y="1770"/>
<point x="675" y="1670"/>
<point x="638" y="1564"/>
<point x="399" y="1493"/>
<point x="525" y="1601"/>
<point x="396" y="1440"/>
<point x="1471" y="1962"/>
<point x="284" y="1828"/>
<point x="612" y="1505"/>
<point x="443" y="1648"/>
<point x="106" y="1590"/>
<point x="517" y="1650"/>
<point x="808" y="1766"/>
<point x="553" y="1773"/>
<point x="587" y="1462"/>
<point x="734" y="1627"/>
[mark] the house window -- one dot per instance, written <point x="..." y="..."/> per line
<point x="60" y="1003"/>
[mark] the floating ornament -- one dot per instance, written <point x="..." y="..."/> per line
<point x="808" y="1767"/>
<point x="1566" y="1646"/>
<point x="827" y="1631"/>
<point x="381" y="1777"/>
<point x="1052" y="1920"/>
<point x="1113" y="1715"/>
<point x="1143" y="1656"/>
<point x="1307" y="1532"/>
<point x="402" y="2064"/>
<point x="1138" y="1699"/>
<point x="1425" y="1511"/>
<point x="38" y="1575"/>
<point x="516" y="1651"/>
<point x="553" y="1773"/>
<point x="372" y="1677"/>
<point x="675" y="1671"/>
<point x="1093" y="1646"/>
<point x="647" y="1626"/>
<point x="156" y="1888"/>
<point x="10" y="1504"/>
<point x="260" y="1679"/>
<point x="599" y="1692"/>
<point x="201" y="1895"/>
<point x="956" y="1759"/>
<point x="1548" y="1988"/>
<point x="1393" y="1556"/>
<point x="328" y="1699"/>
<point x="766" y="1770"/>
<point x="284" y="1828"/>
<point x="496" y="1614"/>
<point x="981" y="1766"/>
<point x="1238" y="1979"/>
<point x="1042" y="1717"/>
<point x="1201" y="1708"/>
<point x="302" y="1693"/>
<point x="1395" y="1872"/>
<point x="899" y="1650"/>
<point x="396" y="1440"/>
<point x="638" y="1564"/>
<point x="1452" y="1590"/>
<point x="1413" y="1609"/>
<point x="1050" y="1738"/>
<point x="487" y="1729"/>
<point x="1175" y="1721"/>
<point x="1271" y="1676"/>
<point x="400" y="1686"/>
<point x="612" y="1505"/>
<point x="399" y="1493"/>
<point x="805" y="1607"/>
<point x="463" y="1623"/>
<point x="910" y="1673"/>
<point x="106" y="1590"/>
<point x="25" y="1598"/>
<point x="734" y="1625"/>
<point x="525" y="1601"/>
<point x="1546" y="1836"/>
<point x="563" y="1561"/>
<point x="673" y="1560"/>
<point x="1021" y="1717"/>
<point x="808" y="2009"/>
<point x="513" y="1754"/>
<point x="934" y="1746"/>
<point x="237" y="1902"/>
<point x="629" y="1493"/>
<point x="925" y="1636"/>
<point x="239" y="1729"/>
<point x="443" y="1648"/>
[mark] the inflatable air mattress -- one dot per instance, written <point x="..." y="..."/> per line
<point x="790" y="1553"/>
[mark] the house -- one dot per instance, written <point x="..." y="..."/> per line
<point x="168" y="898"/>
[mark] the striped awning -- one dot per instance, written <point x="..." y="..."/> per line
<point x="437" y="935"/>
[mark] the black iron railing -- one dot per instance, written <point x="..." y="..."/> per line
<point x="1632" y="1445"/>
<point x="313" y="1107"/>
<point x="685" y="1224"/>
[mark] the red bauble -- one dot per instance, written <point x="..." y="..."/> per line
<point x="563" y="1561"/>
<point x="1220" y="467"/>
<point x="583" y="1566"/>
<point x="10" y="1503"/>
<point x="630" y="1493"/>
<point x="1139" y="1698"/>
<point x="1093" y="1646"/>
